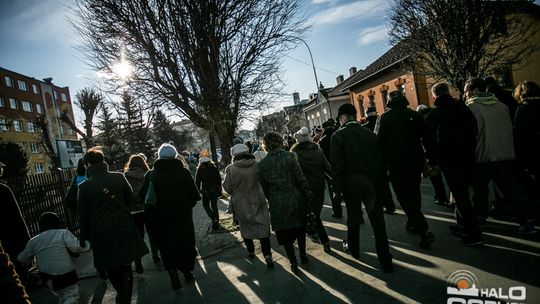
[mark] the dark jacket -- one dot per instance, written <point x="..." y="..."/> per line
<point x="104" y="222"/>
<point x="286" y="189"/>
<point x="315" y="167"/>
<point x="400" y="132"/>
<point x="324" y="142"/>
<point x="505" y="97"/>
<point x="451" y="134"/>
<point x="13" y="230"/>
<point x="357" y="164"/>
<point x="208" y="179"/>
<point x="172" y="216"/>
<point x="527" y="135"/>
<point x="135" y="178"/>
<point x="370" y="122"/>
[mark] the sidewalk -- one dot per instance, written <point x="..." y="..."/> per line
<point x="226" y="275"/>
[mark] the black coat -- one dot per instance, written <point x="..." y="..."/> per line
<point x="208" y="179"/>
<point x="355" y="155"/>
<point x="400" y="134"/>
<point x="314" y="166"/>
<point x="370" y="122"/>
<point x="104" y="222"/>
<point x="451" y="134"/>
<point x="172" y="216"/>
<point x="324" y="142"/>
<point x="527" y="135"/>
<point x="13" y="230"/>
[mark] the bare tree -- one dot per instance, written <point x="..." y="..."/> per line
<point x="89" y="101"/>
<point x="211" y="60"/>
<point x="459" y="39"/>
<point x="41" y="122"/>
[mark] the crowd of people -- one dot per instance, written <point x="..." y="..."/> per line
<point x="280" y="185"/>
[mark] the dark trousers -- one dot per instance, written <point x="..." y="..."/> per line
<point x="152" y="238"/>
<point x="407" y="188"/>
<point x="335" y="198"/>
<point x="210" y="206"/>
<point x="265" y="246"/>
<point x="502" y="174"/>
<point x="121" y="278"/>
<point x="438" y="186"/>
<point x="458" y="180"/>
<point x="321" y="231"/>
<point x="374" y="210"/>
<point x="386" y="197"/>
<point x="287" y="237"/>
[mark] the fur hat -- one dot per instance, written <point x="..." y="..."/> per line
<point x="239" y="149"/>
<point x="167" y="151"/>
<point x="302" y="135"/>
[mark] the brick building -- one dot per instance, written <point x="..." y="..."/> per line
<point x="22" y="98"/>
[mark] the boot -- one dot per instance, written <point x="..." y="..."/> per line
<point x="175" y="280"/>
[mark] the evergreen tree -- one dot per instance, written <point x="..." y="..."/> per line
<point x="164" y="133"/>
<point x="15" y="159"/>
<point x="134" y="131"/>
<point x="109" y="138"/>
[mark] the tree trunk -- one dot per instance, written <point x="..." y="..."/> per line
<point x="213" y="148"/>
<point x="225" y="134"/>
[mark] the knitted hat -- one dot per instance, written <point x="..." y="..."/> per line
<point x="167" y="151"/>
<point x="239" y="149"/>
<point x="347" y="109"/>
<point x="302" y="135"/>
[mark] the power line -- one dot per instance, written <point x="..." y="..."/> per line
<point x="309" y="64"/>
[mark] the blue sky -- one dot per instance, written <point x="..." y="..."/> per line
<point x="37" y="41"/>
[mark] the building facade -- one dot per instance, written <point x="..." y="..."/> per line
<point x="22" y="99"/>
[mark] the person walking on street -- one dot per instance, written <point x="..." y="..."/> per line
<point x="208" y="181"/>
<point x="450" y="148"/>
<point x="134" y="171"/>
<point x="335" y="197"/>
<point x="287" y="191"/>
<point x="172" y="213"/>
<point x="105" y="220"/>
<point x="358" y="173"/>
<point x="401" y="132"/>
<point x="495" y="154"/>
<point x="248" y="201"/>
<point x="315" y="167"/>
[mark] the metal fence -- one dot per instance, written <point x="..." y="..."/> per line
<point x="41" y="193"/>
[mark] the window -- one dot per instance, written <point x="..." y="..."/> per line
<point x="17" y="126"/>
<point x="35" y="88"/>
<point x="384" y="98"/>
<point x="3" y="124"/>
<point x="13" y="103"/>
<point x="64" y="97"/>
<point x="31" y="127"/>
<point x="34" y="147"/>
<point x="27" y="106"/>
<point x="22" y="85"/>
<point x="401" y="89"/>
<point x="39" y="168"/>
<point x="39" y="108"/>
<point x="2" y="104"/>
<point x="9" y="81"/>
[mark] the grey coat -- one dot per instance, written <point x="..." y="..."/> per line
<point x="247" y="197"/>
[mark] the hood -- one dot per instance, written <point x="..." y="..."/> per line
<point x="306" y="148"/>
<point x="97" y="169"/>
<point x="136" y="173"/>
<point x="485" y="99"/>
<point x="245" y="162"/>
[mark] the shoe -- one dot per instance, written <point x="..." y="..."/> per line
<point x="410" y="227"/>
<point x="138" y="267"/>
<point x="473" y="241"/>
<point x="498" y="213"/>
<point x="337" y="216"/>
<point x="175" y="280"/>
<point x="315" y="238"/>
<point x="215" y="225"/>
<point x="327" y="248"/>
<point x="294" y="269"/>
<point x="427" y="239"/>
<point x="458" y="230"/>
<point x="269" y="262"/>
<point x="387" y="267"/>
<point x="441" y="202"/>
<point x="188" y="276"/>
<point x="390" y="211"/>
<point x="526" y="229"/>
<point x="346" y="246"/>
<point x="304" y="259"/>
<point x="156" y="259"/>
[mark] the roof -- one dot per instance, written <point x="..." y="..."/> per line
<point x="394" y="55"/>
<point x="338" y="90"/>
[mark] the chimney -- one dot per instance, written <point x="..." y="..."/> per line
<point x="352" y="70"/>
<point x="296" y="98"/>
<point x="339" y="79"/>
